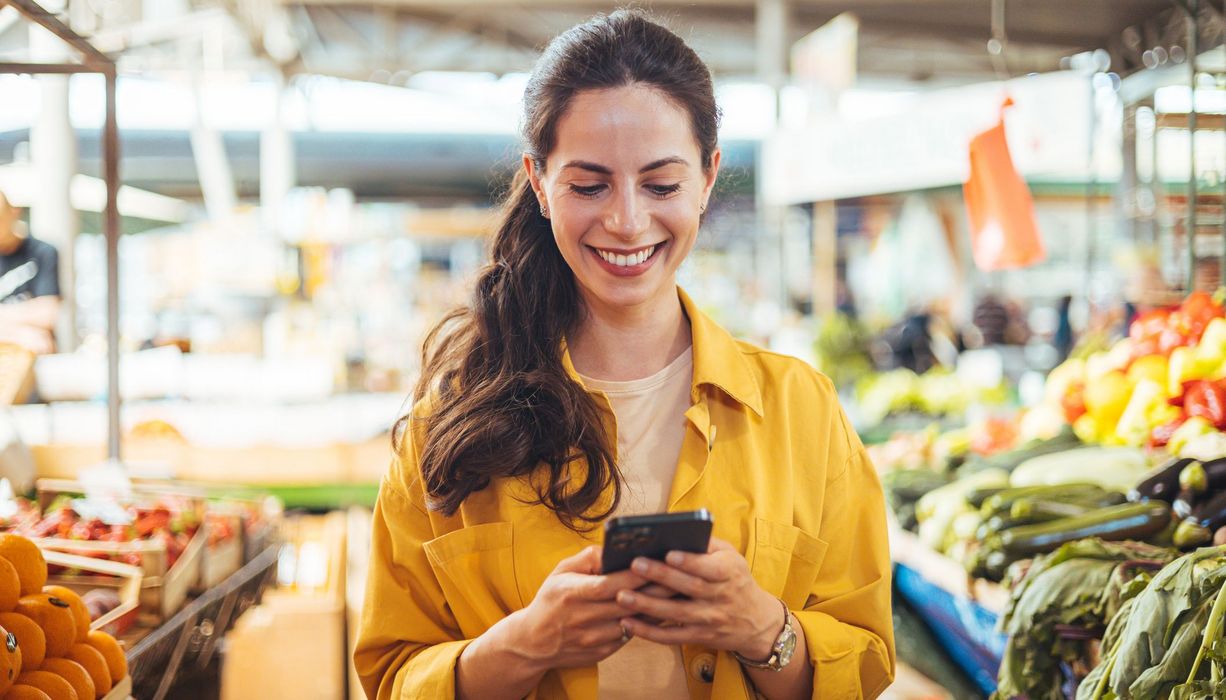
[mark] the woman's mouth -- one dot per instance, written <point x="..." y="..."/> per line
<point x="626" y="263"/>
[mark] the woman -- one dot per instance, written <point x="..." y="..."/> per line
<point x="582" y="383"/>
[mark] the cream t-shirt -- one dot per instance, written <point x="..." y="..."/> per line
<point x="651" y="419"/>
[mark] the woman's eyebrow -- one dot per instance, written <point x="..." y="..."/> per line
<point x="597" y="168"/>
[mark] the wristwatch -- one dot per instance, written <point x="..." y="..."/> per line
<point x="781" y="650"/>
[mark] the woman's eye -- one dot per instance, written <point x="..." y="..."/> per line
<point x="663" y="190"/>
<point x="586" y="191"/>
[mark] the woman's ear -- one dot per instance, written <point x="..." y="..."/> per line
<point x="710" y="175"/>
<point x="534" y="177"/>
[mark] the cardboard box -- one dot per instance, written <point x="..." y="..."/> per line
<point x="300" y="625"/>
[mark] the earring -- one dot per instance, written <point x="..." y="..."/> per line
<point x="702" y="208"/>
<point x="544" y="211"/>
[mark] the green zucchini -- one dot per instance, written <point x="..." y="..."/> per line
<point x="1038" y="508"/>
<point x="1003" y="501"/>
<point x="976" y="498"/>
<point x="1130" y="521"/>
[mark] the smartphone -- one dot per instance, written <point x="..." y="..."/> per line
<point x="653" y="536"/>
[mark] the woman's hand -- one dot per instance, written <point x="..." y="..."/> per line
<point x="725" y="609"/>
<point x="574" y="620"/>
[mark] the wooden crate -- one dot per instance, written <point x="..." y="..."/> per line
<point x="224" y="558"/>
<point x="125" y="578"/>
<point x="163" y="589"/>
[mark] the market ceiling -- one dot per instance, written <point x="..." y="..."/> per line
<point x="920" y="40"/>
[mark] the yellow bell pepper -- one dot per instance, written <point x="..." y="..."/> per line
<point x="1151" y="367"/>
<point x="1146" y="403"/>
<point x="1106" y="398"/>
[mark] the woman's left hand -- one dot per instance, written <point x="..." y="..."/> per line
<point x="725" y="608"/>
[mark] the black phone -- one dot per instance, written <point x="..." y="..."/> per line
<point x="653" y="536"/>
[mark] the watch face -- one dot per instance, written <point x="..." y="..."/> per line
<point x="786" y="646"/>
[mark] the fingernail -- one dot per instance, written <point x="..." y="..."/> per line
<point x="640" y="566"/>
<point x="675" y="558"/>
<point x="626" y="597"/>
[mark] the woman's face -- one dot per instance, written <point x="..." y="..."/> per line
<point x="624" y="187"/>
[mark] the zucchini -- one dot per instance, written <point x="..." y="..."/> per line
<point x="907" y="485"/>
<point x="1162" y="484"/>
<point x="1197" y="529"/>
<point x="1044" y="510"/>
<point x="1003" y="501"/>
<point x="1130" y="521"/>
<point x="978" y="496"/>
<point x="1004" y="521"/>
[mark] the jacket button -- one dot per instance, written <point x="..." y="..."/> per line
<point x="702" y="668"/>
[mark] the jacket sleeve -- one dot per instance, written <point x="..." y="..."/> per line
<point x="847" y="620"/>
<point x="408" y="641"/>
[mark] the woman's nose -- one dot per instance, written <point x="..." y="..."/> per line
<point x="626" y="216"/>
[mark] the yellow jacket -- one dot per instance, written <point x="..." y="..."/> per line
<point x="767" y="451"/>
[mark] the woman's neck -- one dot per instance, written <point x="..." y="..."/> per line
<point x="623" y="344"/>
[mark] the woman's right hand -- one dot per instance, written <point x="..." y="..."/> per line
<point x="574" y="618"/>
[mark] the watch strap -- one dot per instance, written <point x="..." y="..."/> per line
<point x="772" y="661"/>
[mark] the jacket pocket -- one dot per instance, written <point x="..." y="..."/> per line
<point x="475" y="569"/>
<point x="785" y="560"/>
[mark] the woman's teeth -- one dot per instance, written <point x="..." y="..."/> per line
<point x="627" y="260"/>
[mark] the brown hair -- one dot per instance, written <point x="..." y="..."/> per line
<point x="501" y="402"/>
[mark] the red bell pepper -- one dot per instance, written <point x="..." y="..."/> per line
<point x="1149" y="324"/>
<point x="1073" y="403"/>
<point x="1196" y="312"/>
<point x="1161" y="435"/>
<point x="1207" y="400"/>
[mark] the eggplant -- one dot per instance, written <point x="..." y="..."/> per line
<point x="1197" y="528"/>
<point x="1184" y="503"/>
<point x="1162" y="483"/>
<point x="1130" y="521"/>
<point x="1203" y="477"/>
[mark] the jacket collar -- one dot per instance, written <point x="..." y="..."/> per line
<point x="718" y="360"/>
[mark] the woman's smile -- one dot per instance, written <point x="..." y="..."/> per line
<point x="630" y="262"/>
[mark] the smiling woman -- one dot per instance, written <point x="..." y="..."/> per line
<point x="582" y="383"/>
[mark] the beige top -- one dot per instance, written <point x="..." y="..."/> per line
<point x="650" y="425"/>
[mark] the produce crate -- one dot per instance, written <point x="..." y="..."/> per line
<point x="223" y="558"/>
<point x="121" y="690"/>
<point x="124" y="578"/>
<point x="163" y="588"/>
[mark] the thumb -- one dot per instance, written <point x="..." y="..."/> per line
<point x="587" y="561"/>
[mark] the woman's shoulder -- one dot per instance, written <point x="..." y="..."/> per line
<point x="775" y="370"/>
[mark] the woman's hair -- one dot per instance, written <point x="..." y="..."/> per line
<point x="500" y="402"/>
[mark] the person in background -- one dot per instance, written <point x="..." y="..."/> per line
<point x="1064" y="328"/>
<point x="29" y="284"/>
<point x="583" y="383"/>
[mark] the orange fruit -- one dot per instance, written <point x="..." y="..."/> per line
<point x="55" y="687"/>
<point x="54" y="616"/>
<point x="110" y="650"/>
<point x="25" y="692"/>
<point x="10" y="660"/>
<point x="74" y="673"/>
<point x="27" y="559"/>
<point x="30" y="639"/>
<point x="10" y="586"/>
<point x="93" y="663"/>
<point x="80" y="613"/>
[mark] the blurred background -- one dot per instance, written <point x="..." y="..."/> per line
<point x="935" y="202"/>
